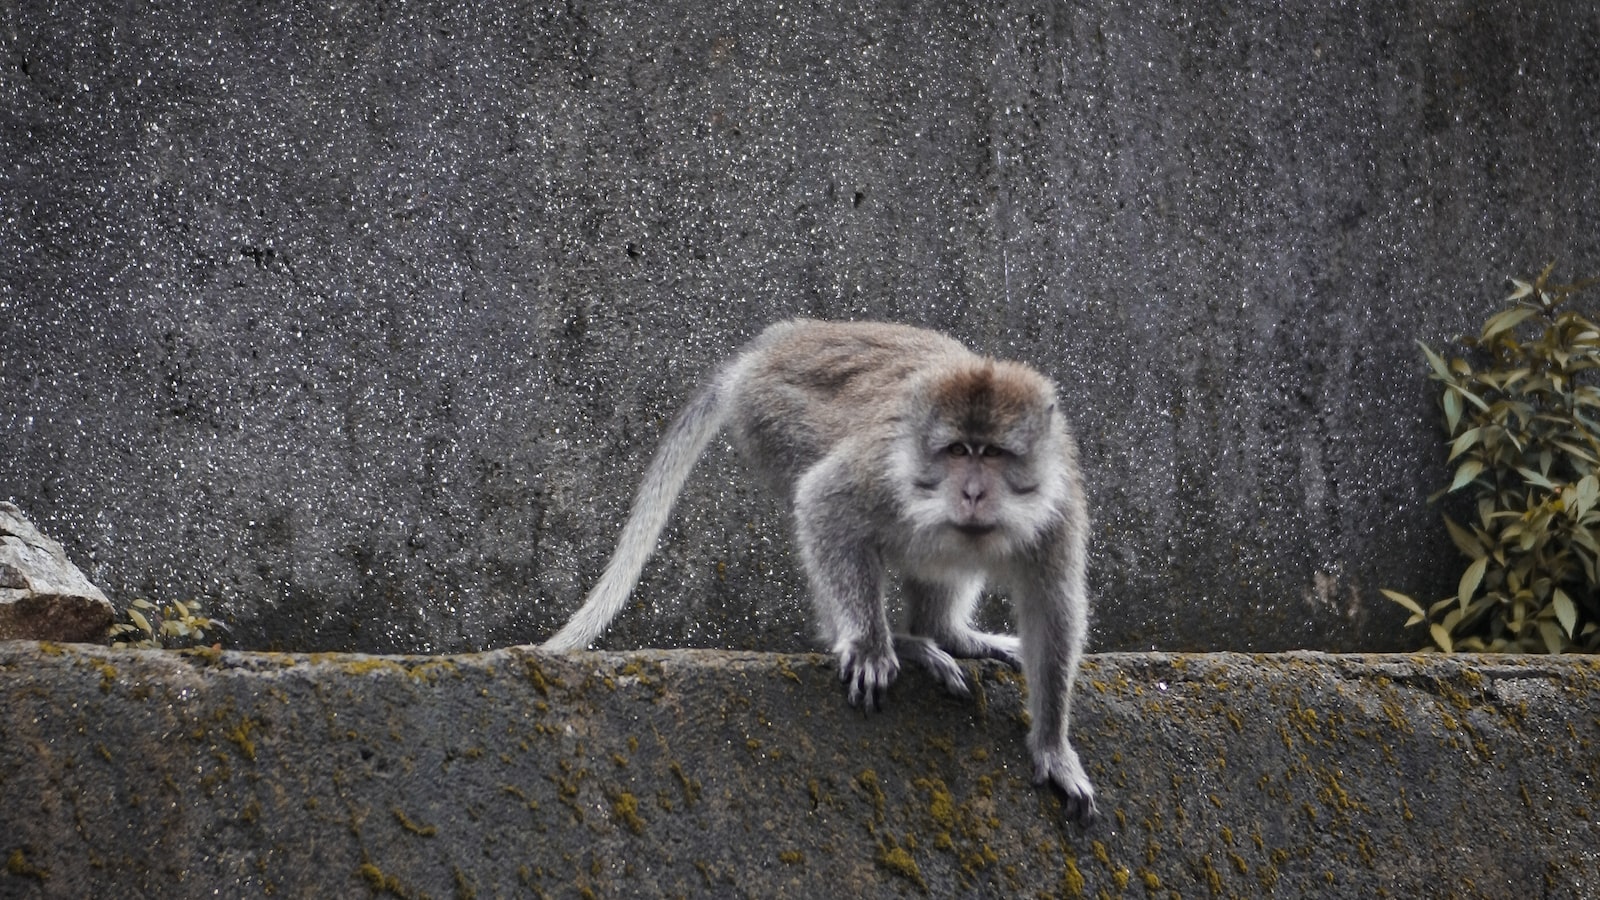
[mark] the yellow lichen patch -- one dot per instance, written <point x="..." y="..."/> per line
<point x="643" y="672"/>
<point x="380" y="882"/>
<point x="899" y="860"/>
<point x="413" y="827"/>
<point x="516" y="792"/>
<point x="786" y="672"/>
<point x="370" y="665"/>
<point x="868" y="782"/>
<point x="17" y="864"/>
<point x="1071" y="879"/>
<point x="1212" y="876"/>
<point x="536" y="677"/>
<point x="240" y="735"/>
<point x="792" y="857"/>
<point x="430" y="670"/>
<point x="108" y="674"/>
<point x="691" y="786"/>
<point x="941" y="806"/>
<point x="625" y="809"/>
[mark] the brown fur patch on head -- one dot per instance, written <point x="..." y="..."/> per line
<point x="989" y="397"/>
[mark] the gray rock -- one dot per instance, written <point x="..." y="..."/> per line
<point x="717" y="774"/>
<point x="43" y="596"/>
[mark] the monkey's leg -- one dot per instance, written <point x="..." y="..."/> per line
<point x="1053" y="620"/>
<point x="846" y="575"/>
<point x="943" y="612"/>
<point x="939" y="664"/>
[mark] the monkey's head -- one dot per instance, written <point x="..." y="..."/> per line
<point x="985" y="459"/>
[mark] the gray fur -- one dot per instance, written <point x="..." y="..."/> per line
<point x="899" y="449"/>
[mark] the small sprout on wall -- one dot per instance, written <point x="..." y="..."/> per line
<point x="151" y="627"/>
<point x="1522" y="414"/>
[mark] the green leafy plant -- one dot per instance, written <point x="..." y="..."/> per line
<point x="152" y="627"/>
<point x="1520" y="409"/>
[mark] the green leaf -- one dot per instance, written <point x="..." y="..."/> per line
<point x="1403" y="600"/>
<point x="1464" y="475"/>
<point x="1551" y="632"/>
<point x="1465" y="541"/>
<point x="1452" y="410"/>
<point x="1588" y="492"/>
<point x="1470" y="579"/>
<point x="1464" y="443"/>
<point x="1472" y="398"/>
<point x="1585" y="539"/>
<point x="1505" y="321"/>
<point x="1435" y="361"/>
<point x="1523" y="290"/>
<point x="1577" y="451"/>
<point x="1440" y="636"/>
<point x="1532" y="477"/>
<point x="139" y="620"/>
<point x="1565" y="611"/>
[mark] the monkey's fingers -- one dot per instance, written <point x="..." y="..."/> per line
<point x="1079" y="809"/>
<point x="1067" y="778"/>
<point x="867" y="677"/>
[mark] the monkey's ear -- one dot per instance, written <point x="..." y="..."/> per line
<point x="1032" y="428"/>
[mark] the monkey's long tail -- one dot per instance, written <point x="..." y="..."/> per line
<point x="682" y="445"/>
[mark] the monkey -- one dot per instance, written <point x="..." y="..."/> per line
<point x="898" y="449"/>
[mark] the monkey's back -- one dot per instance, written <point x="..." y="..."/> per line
<point x="805" y="386"/>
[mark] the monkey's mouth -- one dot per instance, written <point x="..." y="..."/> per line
<point x="975" y="529"/>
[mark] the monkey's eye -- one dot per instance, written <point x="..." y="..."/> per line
<point x="992" y="451"/>
<point x="957" y="450"/>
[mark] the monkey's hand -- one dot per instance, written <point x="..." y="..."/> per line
<point x="867" y="673"/>
<point x="1062" y="770"/>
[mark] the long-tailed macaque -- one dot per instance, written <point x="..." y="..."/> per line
<point x="899" y="449"/>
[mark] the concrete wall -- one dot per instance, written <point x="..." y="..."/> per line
<point x="357" y="321"/>
<point x="715" y="774"/>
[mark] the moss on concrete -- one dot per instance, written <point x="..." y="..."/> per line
<point x="693" y="772"/>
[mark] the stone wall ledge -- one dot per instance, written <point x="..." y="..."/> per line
<point x="708" y="773"/>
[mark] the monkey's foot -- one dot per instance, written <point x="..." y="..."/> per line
<point x="1062" y="770"/>
<point x="941" y="665"/>
<point x="867" y="674"/>
<point x="983" y="645"/>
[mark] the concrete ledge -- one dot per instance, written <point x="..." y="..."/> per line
<point x="695" y="773"/>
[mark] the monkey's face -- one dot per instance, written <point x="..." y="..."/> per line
<point x="977" y="486"/>
<point x="988" y="474"/>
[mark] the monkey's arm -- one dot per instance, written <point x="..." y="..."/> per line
<point x="1052" y="620"/>
<point x="845" y="568"/>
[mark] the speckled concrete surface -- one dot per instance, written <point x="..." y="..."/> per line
<point x="715" y="774"/>
<point x="357" y="321"/>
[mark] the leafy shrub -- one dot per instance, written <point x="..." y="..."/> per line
<point x="1520" y="409"/>
<point x="153" y="627"/>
